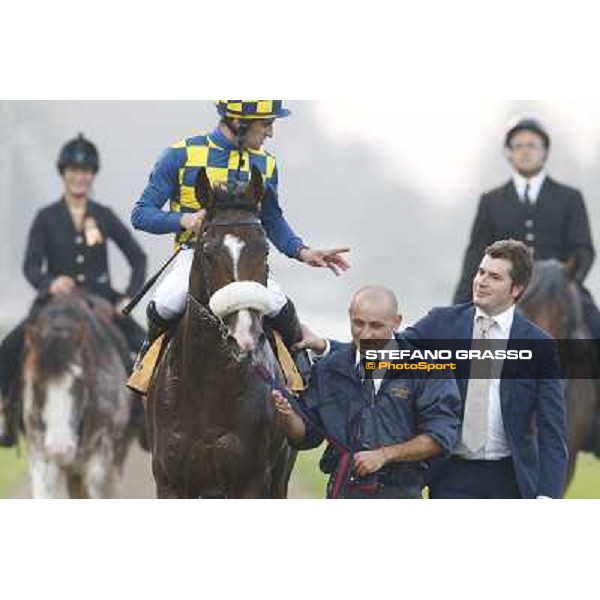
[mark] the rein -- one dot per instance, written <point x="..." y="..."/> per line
<point x="342" y="473"/>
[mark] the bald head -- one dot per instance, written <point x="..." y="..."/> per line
<point x="376" y="296"/>
<point x="374" y="314"/>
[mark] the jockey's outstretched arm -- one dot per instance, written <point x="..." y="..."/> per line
<point x="287" y="242"/>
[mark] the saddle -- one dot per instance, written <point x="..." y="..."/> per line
<point x="140" y="379"/>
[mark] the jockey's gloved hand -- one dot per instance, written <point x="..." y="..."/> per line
<point x="121" y="304"/>
<point x="192" y="221"/>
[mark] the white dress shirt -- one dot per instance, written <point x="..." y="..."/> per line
<point x="496" y="445"/>
<point x="535" y="185"/>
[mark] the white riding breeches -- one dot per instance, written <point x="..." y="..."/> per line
<point x="171" y="292"/>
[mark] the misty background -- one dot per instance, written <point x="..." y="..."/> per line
<point x="400" y="191"/>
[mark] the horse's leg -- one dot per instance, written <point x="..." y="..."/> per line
<point x="99" y="475"/>
<point x="166" y="492"/>
<point x="76" y="487"/>
<point x="48" y="480"/>
<point x="581" y="403"/>
<point x="282" y="474"/>
<point x="255" y="488"/>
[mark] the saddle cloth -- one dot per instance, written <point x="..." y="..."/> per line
<point x="140" y="379"/>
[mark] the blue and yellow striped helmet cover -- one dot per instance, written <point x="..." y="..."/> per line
<point x="252" y="109"/>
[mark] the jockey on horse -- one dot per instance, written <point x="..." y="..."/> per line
<point x="66" y="250"/>
<point x="228" y="154"/>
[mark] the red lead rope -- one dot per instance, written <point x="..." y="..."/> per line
<point x="343" y="469"/>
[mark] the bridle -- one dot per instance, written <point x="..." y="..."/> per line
<point x="208" y="224"/>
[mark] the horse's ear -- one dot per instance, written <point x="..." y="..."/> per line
<point x="571" y="268"/>
<point x="204" y="191"/>
<point x="256" y="187"/>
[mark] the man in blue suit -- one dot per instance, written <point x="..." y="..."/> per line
<point x="513" y="435"/>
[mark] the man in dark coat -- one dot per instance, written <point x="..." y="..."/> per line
<point x="548" y="216"/>
<point x="67" y="249"/>
<point x="387" y="427"/>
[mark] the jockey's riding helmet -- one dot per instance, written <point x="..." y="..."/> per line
<point x="252" y="109"/>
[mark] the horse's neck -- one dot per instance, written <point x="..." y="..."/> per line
<point x="204" y="338"/>
<point x="576" y="325"/>
<point x="197" y="286"/>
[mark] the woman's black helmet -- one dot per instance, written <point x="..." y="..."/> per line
<point x="78" y="154"/>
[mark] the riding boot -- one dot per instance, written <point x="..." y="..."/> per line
<point x="156" y="327"/>
<point x="288" y="325"/>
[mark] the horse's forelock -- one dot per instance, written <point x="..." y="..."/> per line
<point x="56" y="337"/>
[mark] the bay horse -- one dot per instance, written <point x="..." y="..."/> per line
<point x="76" y="409"/>
<point x="553" y="301"/>
<point x="212" y="427"/>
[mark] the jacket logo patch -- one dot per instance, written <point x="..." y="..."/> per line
<point x="400" y="392"/>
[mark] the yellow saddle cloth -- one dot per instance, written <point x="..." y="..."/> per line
<point x="139" y="381"/>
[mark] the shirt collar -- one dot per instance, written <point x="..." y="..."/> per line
<point x="535" y="184"/>
<point x="503" y="321"/>
<point x="218" y="137"/>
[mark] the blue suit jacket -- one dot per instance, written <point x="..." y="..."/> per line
<point x="533" y="409"/>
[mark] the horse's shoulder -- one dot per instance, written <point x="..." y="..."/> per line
<point x="531" y="329"/>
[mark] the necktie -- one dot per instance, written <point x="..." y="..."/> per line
<point x="527" y="197"/>
<point x="474" y="431"/>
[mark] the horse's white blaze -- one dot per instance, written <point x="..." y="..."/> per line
<point x="235" y="247"/>
<point x="242" y="332"/>
<point x="60" y="441"/>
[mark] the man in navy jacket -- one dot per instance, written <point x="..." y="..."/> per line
<point x="513" y="438"/>
<point x="387" y="426"/>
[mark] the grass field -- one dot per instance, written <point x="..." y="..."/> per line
<point x="310" y="480"/>
<point x="13" y="469"/>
